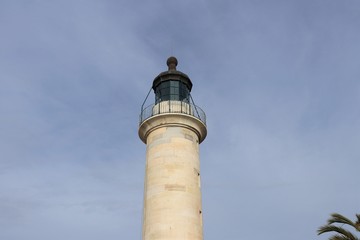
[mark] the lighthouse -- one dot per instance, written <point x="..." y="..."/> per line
<point x="172" y="127"/>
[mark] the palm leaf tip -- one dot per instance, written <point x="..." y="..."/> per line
<point x="341" y="231"/>
<point x="338" y="218"/>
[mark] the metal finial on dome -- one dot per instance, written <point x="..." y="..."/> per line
<point x="172" y="63"/>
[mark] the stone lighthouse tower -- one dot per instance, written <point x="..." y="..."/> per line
<point x="172" y="129"/>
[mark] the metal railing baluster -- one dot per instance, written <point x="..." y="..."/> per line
<point x="173" y="107"/>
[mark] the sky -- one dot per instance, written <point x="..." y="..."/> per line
<point x="279" y="81"/>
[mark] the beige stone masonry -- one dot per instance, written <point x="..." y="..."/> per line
<point x="172" y="197"/>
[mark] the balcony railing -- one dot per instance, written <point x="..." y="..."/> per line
<point x="172" y="106"/>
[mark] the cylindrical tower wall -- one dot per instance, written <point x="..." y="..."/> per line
<point x="172" y="198"/>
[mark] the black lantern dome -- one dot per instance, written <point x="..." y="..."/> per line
<point x="172" y="84"/>
<point x="172" y="95"/>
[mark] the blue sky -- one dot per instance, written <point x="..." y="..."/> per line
<point x="279" y="81"/>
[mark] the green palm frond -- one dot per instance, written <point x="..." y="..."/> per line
<point x="338" y="237"/>
<point x="343" y="232"/>
<point x="357" y="223"/>
<point x="338" y="218"/>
